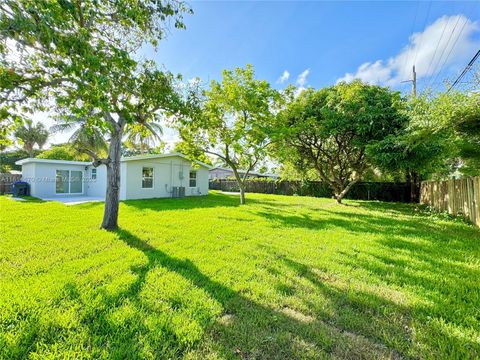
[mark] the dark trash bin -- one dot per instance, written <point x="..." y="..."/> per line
<point x="21" y="188"/>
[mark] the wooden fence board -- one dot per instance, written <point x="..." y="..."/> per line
<point x="459" y="197"/>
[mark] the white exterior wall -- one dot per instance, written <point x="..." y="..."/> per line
<point x="123" y="177"/>
<point x="98" y="187"/>
<point x="169" y="171"/>
<point x="166" y="174"/>
<point x="28" y="175"/>
<point x="43" y="181"/>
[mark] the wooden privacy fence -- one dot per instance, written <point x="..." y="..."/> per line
<point x="455" y="196"/>
<point x="383" y="191"/>
<point x="6" y="182"/>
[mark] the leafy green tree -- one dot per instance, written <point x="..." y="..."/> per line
<point x="63" y="152"/>
<point x="80" y="54"/>
<point x="139" y="96"/>
<point x="194" y="153"/>
<point x="8" y="159"/>
<point x="232" y="124"/>
<point x="466" y="122"/>
<point x="329" y="130"/>
<point x="424" y="146"/>
<point x="29" y="135"/>
<point x="441" y="136"/>
<point x="290" y="171"/>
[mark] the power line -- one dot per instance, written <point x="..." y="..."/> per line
<point x="467" y="68"/>
<point x="440" y="70"/>
<point x="424" y="26"/>
<point x="438" y="44"/>
<point x="411" y="32"/>
<point x="443" y="52"/>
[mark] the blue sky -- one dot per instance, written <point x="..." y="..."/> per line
<point x="330" y="39"/>
<point x="319" y="43"/>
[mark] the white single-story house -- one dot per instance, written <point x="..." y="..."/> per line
<point x="141" y="177"/>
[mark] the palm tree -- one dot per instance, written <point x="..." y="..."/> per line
<point x="29" y="135"/>
<point x="90" y="139"/>
<point x="143" y="136"/>
<point x="85" y="138"/>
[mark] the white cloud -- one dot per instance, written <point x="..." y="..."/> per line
<point x="426" y="49"/>
<point x="301" y="81"/>
<point x="285" y="76"/>
<point x="302" y="78"/>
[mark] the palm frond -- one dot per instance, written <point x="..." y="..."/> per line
<point x="63" y="127"/>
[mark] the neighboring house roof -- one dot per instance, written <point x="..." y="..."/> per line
<point x="159" y="156"/>
<point x="243" y="172"/>
<point x="128" y="158"/>
<point x="14" y="172"/>
<point x="50" y="161"/>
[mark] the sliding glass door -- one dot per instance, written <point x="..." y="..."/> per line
<point x="76" y="182"/>
<point x="69" y="182"/>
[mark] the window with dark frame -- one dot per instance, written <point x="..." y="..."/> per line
<point x="94" y="174"/>
<point x="147" y="178"/>
<point x="193" y="178"/>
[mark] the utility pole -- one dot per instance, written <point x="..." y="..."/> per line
<point x="414" y="82"/>
<point x="412" y="176"/>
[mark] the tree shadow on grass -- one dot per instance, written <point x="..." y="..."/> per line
<point x="446" y="286"/>
<point x="306" y="221"/>
<point x="243" y="320"/>
<point x="225" y="322"/>
<point x="171" y="204"/>
<point x="413" y="329"/>
<point x="185" y="203"/>
<point x="436" y="259"/>
<point x="408" y="225"/>
<point x="437" y="246"/>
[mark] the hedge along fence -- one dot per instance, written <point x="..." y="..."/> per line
<point x="458" y="197"/>
<point x="384" y="191"/>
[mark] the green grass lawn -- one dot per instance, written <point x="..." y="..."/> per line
<point x="205" y="278"/>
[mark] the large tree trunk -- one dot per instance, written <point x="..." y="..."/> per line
<point x="340" y="193"/>
<point x="242" y="195"/>
<point x="112" y="197"/>
<point x="240" y="183"/>
<point x="29" y="149"/>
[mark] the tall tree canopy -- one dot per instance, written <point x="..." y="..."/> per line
<point x="79" y="53"/>
<point x="466" y="122"/>
<point x="63" y="152"/>
<point x="330" y="130"/>
<point x="442" y="135"/>
<point x="232" y="122"/>
<point x="423" y="146"/>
